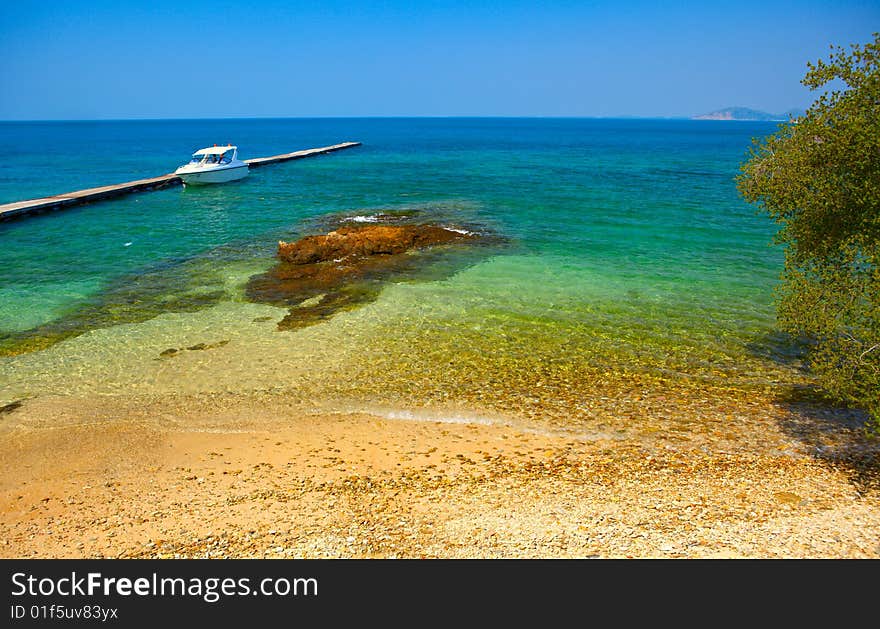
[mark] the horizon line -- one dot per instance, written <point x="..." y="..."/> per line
<point x="374" y="117"/>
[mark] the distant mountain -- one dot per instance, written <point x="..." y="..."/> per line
<point x="744" y="113"/>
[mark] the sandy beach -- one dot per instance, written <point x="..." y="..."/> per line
<point x="247" y="477"/>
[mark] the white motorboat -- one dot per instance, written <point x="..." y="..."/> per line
<point x="215" y="164"/>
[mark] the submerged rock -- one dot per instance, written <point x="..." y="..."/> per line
<point x="8" y="408"/>
<point x="320" y="275"/>
<point x="361" y="242"/>
<point x="174" y="351"/>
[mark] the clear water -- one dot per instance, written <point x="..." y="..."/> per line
<point x="630" y="254"/>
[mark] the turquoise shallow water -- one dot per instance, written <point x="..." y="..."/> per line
<point x="627" y="243"/>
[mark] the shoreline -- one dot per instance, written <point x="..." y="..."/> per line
<point x="265" y="477"/>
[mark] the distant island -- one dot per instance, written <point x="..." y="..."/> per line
<point x="744" y="113"/>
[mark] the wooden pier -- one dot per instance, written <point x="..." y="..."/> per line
<point x="21" y="209"/>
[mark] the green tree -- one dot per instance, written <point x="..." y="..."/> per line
<point x="818" y="177"/>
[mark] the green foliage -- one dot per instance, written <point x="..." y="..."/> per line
<point x="818" y="177"/>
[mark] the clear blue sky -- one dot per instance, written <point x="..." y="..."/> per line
<point x="195" y="58"/>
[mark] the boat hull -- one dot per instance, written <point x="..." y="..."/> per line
<point x="214" y="175"/>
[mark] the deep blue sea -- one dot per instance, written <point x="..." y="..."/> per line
<point x="627" y="251"/>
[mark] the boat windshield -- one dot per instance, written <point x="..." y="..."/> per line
<point x="206" y="159"/>
<point x="212" y="158"/>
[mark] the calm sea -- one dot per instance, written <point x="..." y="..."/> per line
<point x="627" y="251"/>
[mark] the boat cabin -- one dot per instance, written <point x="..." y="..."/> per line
<point x="215" y="155"/>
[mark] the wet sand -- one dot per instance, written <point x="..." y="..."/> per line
<point x="248" y="477"/>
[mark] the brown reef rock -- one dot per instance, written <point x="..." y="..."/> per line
<point x="319" y="275"/>
<point x="370" y="240"/>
